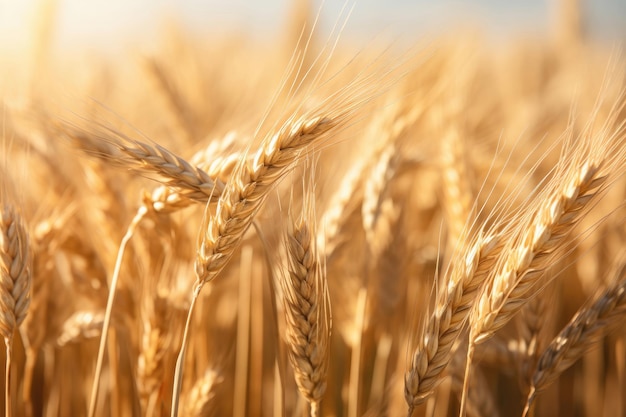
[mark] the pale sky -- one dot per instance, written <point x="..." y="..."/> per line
<point x="108" y="22"/>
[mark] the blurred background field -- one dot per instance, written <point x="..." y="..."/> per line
<point x="117" y="22"/>
<point x="117" y="109"/>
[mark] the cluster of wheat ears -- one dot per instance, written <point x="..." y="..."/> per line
<point x="283" y="227"/>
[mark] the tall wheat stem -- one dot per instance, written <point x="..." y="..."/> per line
<point x="7" y="381"/>
<point x="109" y="308"/>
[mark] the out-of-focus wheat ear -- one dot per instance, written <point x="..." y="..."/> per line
<point x="370" y="172"/>
<point x="343" y="201"/>
<point x="150" y="363"/>
<point x="376" y="203"/>
<point x="585" y="331"/>
<point x="80" y="326"/>
<point x="200" y="400"/>
<point x="458" y="193"/>
<point x="46" y="238"/>
<point x="179" y="112"/>
<point x="468" y="272"/>
<point x="15" y="282"/>
<point x="387" y="162"/>
<point x="535" y="328"/>
<point x="307" y="308"/>
<point x="499" y="352"/>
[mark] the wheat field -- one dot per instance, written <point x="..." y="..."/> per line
<point x="229" y="226"/>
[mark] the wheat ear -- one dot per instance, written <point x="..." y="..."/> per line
<point x="147" y="159"/>
<point x="433" y="353"/>
<point x="152" y="355"/>
<point x="245" y="193"/>
<point x="165" y="199"/>
<point x="80" y="326"/>
<point x="584" y="331"/>
<point x="580" y="178"/>
<point x="342" y="201"/>
<point x="526" y="256"/>
<point x="307" y="310"/>
<point x="15" y="281"/>
<point x="534" y="330"/>
<point x="176" y="103"/>
<point x="457" y="189"/>
<point x="377" y="205"/>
